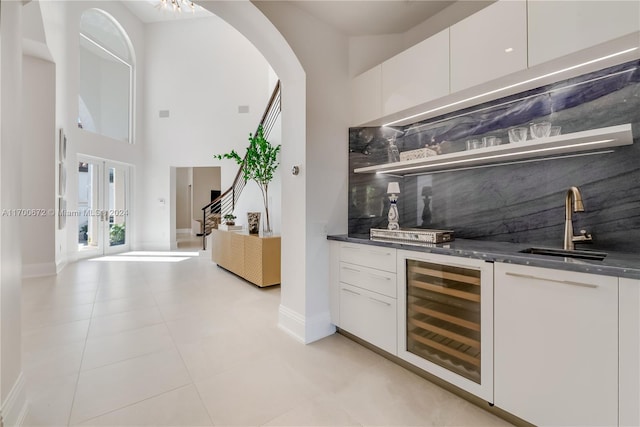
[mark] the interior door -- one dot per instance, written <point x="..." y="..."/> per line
<point x="103" y="206"/>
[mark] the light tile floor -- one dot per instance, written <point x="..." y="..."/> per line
<point x="188" y="344"/>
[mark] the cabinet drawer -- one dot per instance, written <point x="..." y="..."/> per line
<point x="382" y="282"/>
<point x="369" y="256"/>
<point x="369" y="316"/>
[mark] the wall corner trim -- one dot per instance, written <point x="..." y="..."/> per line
<point x="303" y="329"/>
<point x="14" y="410"/>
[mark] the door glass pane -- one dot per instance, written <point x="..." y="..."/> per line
<point x="105" y="76"/>
<point x="88" y="205"/>
<point x="443" y="316"/>
<point x="117" y="208"/>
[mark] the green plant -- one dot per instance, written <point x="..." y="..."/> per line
<point x="116" y="234"/>
<point x="260" y="162"/>
<point x="230" y="219"/>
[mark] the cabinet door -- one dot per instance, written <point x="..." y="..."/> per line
<point x="378" y="281"/>
<point x="220" y="245"/>
<point x="417" y="75"/>
<point x="236" y="250"/>
<point x="556" y="346"/>
<point x="558" y="28"/>
<point x="489" y="44"/>
<point x="369" y="316"/>
<point x="376" y="257"/>
<point x="629" y="352"/>
<point x="366" y="96"/>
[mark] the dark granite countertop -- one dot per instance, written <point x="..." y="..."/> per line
<point x="615" y="264"/>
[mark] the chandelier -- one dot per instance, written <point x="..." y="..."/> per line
<point x="177" y="5"/>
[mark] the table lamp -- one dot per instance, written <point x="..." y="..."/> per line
<point x="393" y="189"/>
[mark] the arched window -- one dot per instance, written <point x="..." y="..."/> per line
<point x="106" y="76"/>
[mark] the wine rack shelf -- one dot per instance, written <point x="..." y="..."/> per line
<point x="443" y="316"/>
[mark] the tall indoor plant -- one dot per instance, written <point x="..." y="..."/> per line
<point x="260" y="163"/>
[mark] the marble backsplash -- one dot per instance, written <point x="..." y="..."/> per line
<point x="521" y="202"/>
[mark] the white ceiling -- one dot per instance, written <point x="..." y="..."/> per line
<point x="352" y="17"/>
<point x="372" y="17"/>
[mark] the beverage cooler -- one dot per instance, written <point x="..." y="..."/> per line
<point x="446" y="327"/>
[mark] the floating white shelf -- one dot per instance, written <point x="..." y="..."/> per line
<point x="591" y="140"/>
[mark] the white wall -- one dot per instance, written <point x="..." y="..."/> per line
<point x="39" y="168"/>
<point x="62" y="23"/>
<point x="12" y="396"/>
<point x="201" y="71"/>
<point x="323" y="52"/>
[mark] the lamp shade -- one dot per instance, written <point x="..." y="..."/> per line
<point x="393" y="188"/>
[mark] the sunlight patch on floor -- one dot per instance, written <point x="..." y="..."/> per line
<point x="148" y="256"/>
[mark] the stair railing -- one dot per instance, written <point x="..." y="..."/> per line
<point x="214" y="212"/>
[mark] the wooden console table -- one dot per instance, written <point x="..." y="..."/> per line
<point x="252" y="257"/>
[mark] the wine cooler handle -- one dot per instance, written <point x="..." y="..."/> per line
<point x="564" y="282"/>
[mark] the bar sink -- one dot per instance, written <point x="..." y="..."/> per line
<point x="593" y="255"/>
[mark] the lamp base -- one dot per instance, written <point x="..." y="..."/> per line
<point x="393" y="217"/>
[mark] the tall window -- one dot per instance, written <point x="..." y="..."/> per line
<point x="105" y="98"/>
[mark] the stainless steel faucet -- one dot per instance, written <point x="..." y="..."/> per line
<point x="573" y="195"/>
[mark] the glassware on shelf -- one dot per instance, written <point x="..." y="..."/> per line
<point x="473" y="144"/>
<point x="518" y="134"/>
<point x="540" y="130"/>
<point x="555" y="131"/>
<point x="491" y="141"/>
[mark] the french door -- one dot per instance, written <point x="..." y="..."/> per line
<point x="103" y="206"/>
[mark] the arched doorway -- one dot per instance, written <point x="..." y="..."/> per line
<point x="254" y="25"/>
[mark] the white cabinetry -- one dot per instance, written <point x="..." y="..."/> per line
<point x="417" y="75"/>
<point x="489" y="44"/>
<point x="367" y="294"/>
<point x="556" y="346"/>
<point x="366" y="96"/>
<point x="629" y="352"/>
<point x="558" y="28"/>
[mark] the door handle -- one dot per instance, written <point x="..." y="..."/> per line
<point x="564" y="282"/>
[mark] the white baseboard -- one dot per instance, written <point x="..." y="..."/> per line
<point x="291" y="322"/>
<point x="305" y="330"/>
<point x="14" y="408"/>
<point x="183" y="230"/>
<point x="60" y="265"/>
<point x="318" y="327"/>
<point x="39" y="270"/>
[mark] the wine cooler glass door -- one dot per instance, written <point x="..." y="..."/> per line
<point x="444" y="320"/>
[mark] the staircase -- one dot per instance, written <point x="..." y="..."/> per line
<point x="213" y="213"/>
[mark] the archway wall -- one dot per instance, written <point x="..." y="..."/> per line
<point x="311" y="60"/>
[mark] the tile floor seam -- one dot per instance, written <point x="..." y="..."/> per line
<point x="84" y="348"/>
<point x="184" y="363"/>
<point x="127" y="359"/>
<point x="111" y="334"/>
<point x="82" y="421"/>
